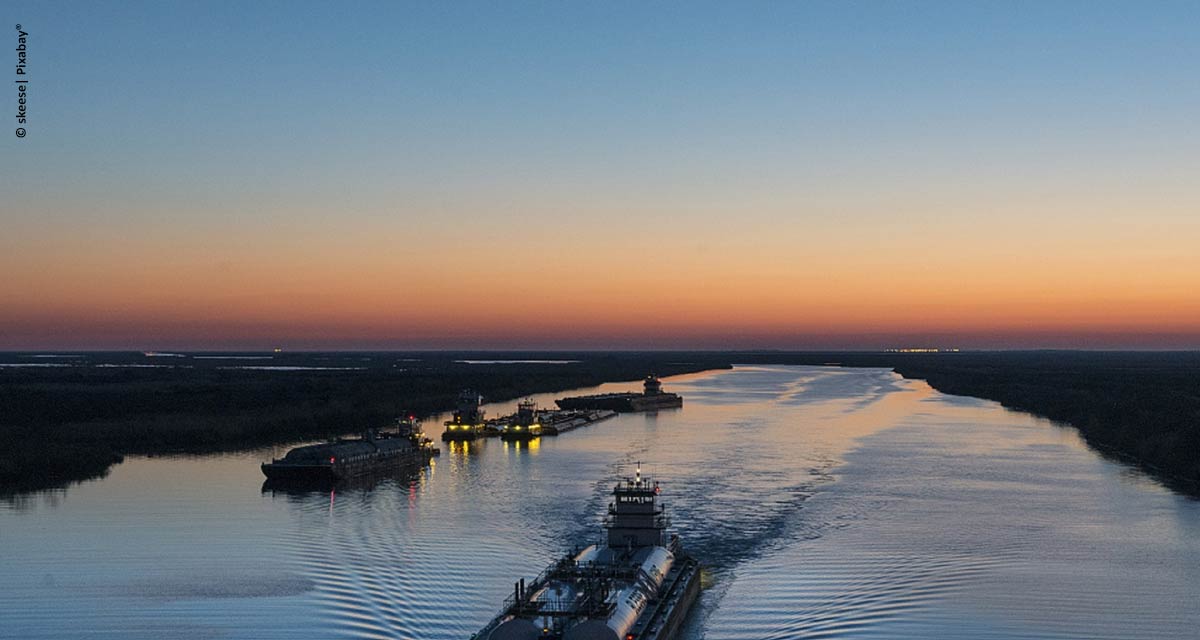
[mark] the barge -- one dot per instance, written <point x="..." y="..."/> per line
<point x="556" y="422"/>
<point x="637" y="585"/>
<point x="652" y="398"/>
<point x="530" y="422"/>
<point x="376" y="452"/>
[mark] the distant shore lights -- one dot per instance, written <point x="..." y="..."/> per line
<point x="920" y="350"/>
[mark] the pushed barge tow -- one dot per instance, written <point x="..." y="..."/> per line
<point x="652" y="398"/>
<point x="525" y="424"/>
<point x="468" y="421"/>
<point x="345" y="458"/>
<point x="530" y="422"/>
<point x="638" y="586"/>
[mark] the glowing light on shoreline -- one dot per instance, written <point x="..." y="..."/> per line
<point x="920" y="350"/>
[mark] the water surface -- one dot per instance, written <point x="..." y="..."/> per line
<point x="827" y="503"/>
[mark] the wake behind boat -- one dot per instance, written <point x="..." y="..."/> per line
<point x="638" y="585"/>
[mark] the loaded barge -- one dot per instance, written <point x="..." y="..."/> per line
<point x="557" y="422"/>
<point x="530" y="422"/>
<point x="638" y="585"/>
<point x="652" y="398"/>
<point x="377" y="452"/>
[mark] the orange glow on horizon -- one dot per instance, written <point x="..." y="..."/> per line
<point x="811" y="176"/>
<point x="413" y="306"/>
<point x="720" y="282"/>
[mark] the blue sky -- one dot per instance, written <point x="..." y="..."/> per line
<point x="830" y="124"/>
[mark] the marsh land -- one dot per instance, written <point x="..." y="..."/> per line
<point x="69" y="417"/>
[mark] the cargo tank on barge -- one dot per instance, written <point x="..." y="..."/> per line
<point x="652" y="398"/>
<point x="376" y="452"/>
<point x="638" y="585"/>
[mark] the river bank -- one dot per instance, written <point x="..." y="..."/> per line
<point x="1140" y="407"/>
<point x="69" y="417"/>
<point x="836" y="503"/>
<point x="65" y="418"/>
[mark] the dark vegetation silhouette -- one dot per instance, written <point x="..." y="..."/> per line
<point x="64" y="424"/>
<point x="1140" y="407"/>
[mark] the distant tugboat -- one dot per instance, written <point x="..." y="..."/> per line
<point x="638" y="586"/>
<point x="468" y="420"/>
<point x="525" y="424"/>
<point x="346" y="458"/>
<point x="652" y="399"/>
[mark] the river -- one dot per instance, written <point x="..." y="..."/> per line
<point x="825" y="502"/>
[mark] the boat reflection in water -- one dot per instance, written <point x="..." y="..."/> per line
<point x="304" y="489"/>
<point x="516" y="446"/>
<point x="464" y="447"/>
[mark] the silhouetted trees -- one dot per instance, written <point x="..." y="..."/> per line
<point x="1141" y="407"/>
<point x="59" y="425"/>
<point x="64" y="424"/>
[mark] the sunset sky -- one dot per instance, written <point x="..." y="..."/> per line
<point x="624" y="175"/>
